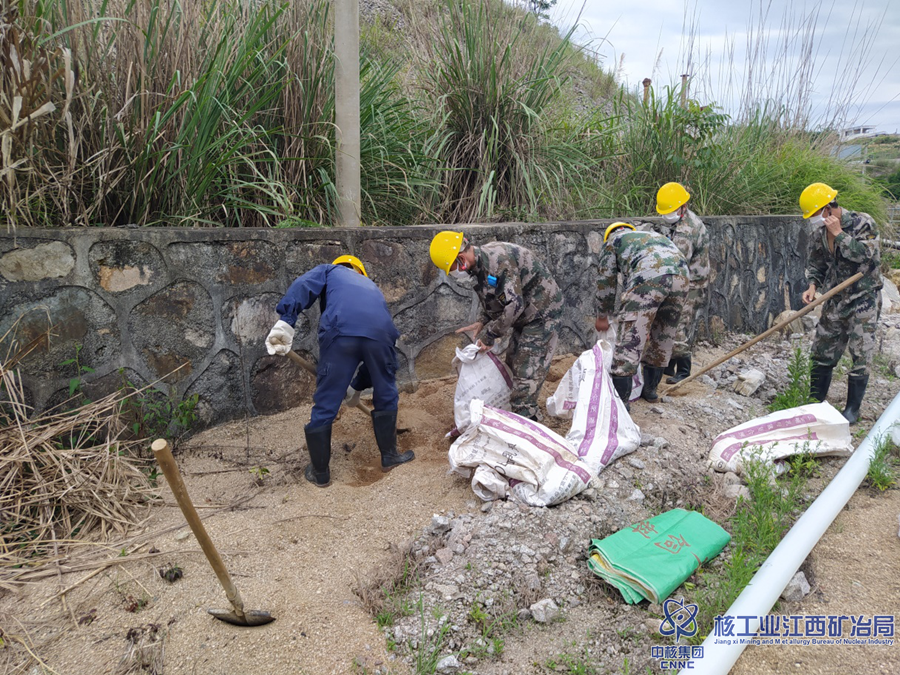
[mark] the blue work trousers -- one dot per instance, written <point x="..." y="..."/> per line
<point x="337" y="364"/>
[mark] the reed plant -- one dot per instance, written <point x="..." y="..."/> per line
<point x="217" y="113"/>
<point x="494" y="82"/>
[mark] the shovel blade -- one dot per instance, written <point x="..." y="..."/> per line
<point x="252" y="617"/>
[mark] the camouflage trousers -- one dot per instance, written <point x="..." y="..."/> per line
<point x="647" y="323"/>
<point x="530" y="351"/>
<point x="686" y="332"/>
<point x="847" y="326"/>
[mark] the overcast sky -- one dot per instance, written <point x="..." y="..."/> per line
<point x="845" y="41"/>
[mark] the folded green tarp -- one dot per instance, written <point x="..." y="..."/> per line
<point x="652" y="558"/>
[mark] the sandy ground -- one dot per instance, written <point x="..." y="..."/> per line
<point x="298" y="552"/>
<point x="854" y="570"/>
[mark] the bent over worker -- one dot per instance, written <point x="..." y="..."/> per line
<point x="355" y="330"/>
<point x="655" y="285"/>
<point x="842" y="243"/>
<point x="684" y="229"/>
<point x="518" y="297"/>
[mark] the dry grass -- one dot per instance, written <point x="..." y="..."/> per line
<point x="64" y="476"/>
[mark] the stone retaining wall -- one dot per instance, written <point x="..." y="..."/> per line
<point x="140" y="302"/>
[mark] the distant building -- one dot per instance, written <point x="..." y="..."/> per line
<point x="853" y="133"/>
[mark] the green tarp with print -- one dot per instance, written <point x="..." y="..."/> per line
<point x="652" y="558"/>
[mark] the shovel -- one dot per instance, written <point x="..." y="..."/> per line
<point x="239" y="616"/>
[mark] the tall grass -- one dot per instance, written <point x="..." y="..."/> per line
<point x="216" y="113"/>
<point x="221" y="113"/>
<point x="494" y="83"/>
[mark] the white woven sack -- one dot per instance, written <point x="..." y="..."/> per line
<point x="817" y="429"/>
<point x="482" y="376"/>
<point x="602" y="430"/>
<point x="509" y="456"/>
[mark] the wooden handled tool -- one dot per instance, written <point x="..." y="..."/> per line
<point x="239" y="616"/>
<point x="762" y="336"/>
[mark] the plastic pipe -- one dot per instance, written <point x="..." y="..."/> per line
<point x="770" y="580"/>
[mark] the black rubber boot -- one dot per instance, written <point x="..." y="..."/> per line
<point x="622" y="383"/>
<point x="384" y="422"/>
<point x="682" y="369"/>
<point x="652" y="376"/>
<point x="670" y="369"/>
<point x="820" y="382"/>
<point x="318" y="442"/>
<point x="856" y="389"/>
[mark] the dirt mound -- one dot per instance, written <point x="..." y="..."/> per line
<point x="299" y="551"/>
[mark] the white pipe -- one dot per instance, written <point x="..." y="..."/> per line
<point x="770" y="580"/>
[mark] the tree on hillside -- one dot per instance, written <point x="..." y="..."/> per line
<point x="540" y="8"/>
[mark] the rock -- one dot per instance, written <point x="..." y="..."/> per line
<point x="890" y="297"/>
<point x="544" y="611"/>
<point x="660" y="443"/>
<point x="646" y="439"/>
<point x="707" y="380"/>
<point x="734" y="491"/>
<point x="797" y="588"/>
<point x="731" y="478"/>
<point x="486" y="507"/>
<point x="448" y="664"/>
<point x="636" y="463"/>
<point x="439" y="524"/>
<point x="181" y="536"/>
<point x="795" y="326"/>
<point x="443" y="555"/>
<point x="749" y="381"/>
<point x="656" y="409"/>
<point x="636" y="496"/>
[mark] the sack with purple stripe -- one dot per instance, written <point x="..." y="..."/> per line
<point x="506" y="455"/>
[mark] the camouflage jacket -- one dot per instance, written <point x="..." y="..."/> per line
<point x="514" y="287"/>
<point x="640" y="256"/>
<point x="856" y="249"/>
<point x="690" y="236"/>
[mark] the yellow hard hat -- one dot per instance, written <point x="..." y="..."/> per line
<point x="814" y="197"/>
<point x="615" y="226"/>
<point x="444" y="249"/>
<point x="670" y="197"/>
<point x="351" y="260"/>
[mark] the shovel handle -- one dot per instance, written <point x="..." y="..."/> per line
<point x="163" y="455"/>
<point x="749" y="343"/>
<point x="311" y="369"/>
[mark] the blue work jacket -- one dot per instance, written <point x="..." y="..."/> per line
<point x="351" y="304"/>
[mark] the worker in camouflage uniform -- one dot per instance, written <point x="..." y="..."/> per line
<point x="518" y="297"/>
<point x="842" y="243"/>
<point x="655" y="280"/>
<point x="688" y="233"/>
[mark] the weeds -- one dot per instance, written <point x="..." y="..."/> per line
<point x="796" y="393"/>
<point x="757" y="526"/>
<point x="150" y="414"/>
<point x="882" y="469"/>
<point x="386" y="596"/>
<point x="581" y="664"/>
<point x="431" y="642"/>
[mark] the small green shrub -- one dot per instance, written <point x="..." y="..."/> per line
<point x="882" y="473"/>
<point x="796" y="393"/>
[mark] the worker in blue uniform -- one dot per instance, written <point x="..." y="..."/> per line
<point x="355" y="331"/>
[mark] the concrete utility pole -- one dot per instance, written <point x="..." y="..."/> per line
<point x="647" y="82"/>
<point x="346" y="110"/>
<point x="684" y="90"/>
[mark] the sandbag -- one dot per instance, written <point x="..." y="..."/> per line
<point x="509" y="456"/>
<point x="602" y="430"/>
<point x="817" y="429"/>
<point x="482" y="376"/>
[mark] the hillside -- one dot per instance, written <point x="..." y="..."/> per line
<point x="221" y="114"/>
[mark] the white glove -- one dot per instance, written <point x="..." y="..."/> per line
<point x="351" y="400"/>
<point x="280" y="338"/>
